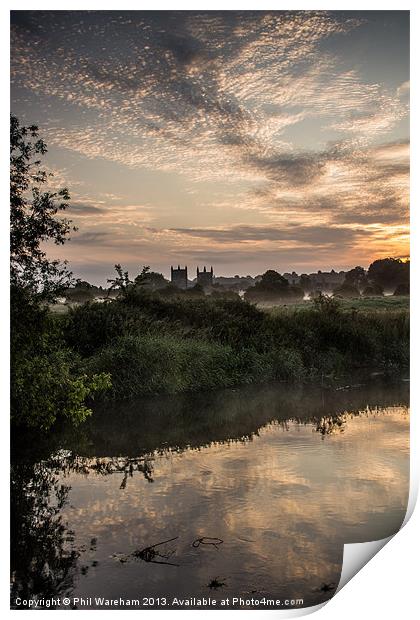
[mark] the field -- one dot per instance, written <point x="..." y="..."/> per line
<point x="377" y="304"/>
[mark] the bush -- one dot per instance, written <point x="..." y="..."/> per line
<point x="151" y="364"/>
<point x="45" y="379"/>
<point x="228" y="321"/>
<point x="45" y="386"/>
<point x="91" y="326"/>
<point x="151" y="344"/>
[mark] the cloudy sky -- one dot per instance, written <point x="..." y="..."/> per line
<point x="245" y="140"/>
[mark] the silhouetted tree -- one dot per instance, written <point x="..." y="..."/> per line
<point x="152" y="280"/>
<point x="389" y="272"/>
<point x="271" y="286"/>
<point x="273" y="280"/>
<point x="373" y="290"/>
<point x="402" y="289"/>
<point x="44" y="379"/>
<point x="305" y="282"/>
<point x="356" y="277"/>
<point x="346" y="290"/>
<point x="33" y="217"/>
<point x="121" y="282"/>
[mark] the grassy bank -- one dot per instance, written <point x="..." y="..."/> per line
<point x="152" y="345"/>
<point x="389" y="303"/>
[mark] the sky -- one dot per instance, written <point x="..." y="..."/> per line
<point x="243" y="140"/>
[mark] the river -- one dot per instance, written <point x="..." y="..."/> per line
<point x="256" y="489"/>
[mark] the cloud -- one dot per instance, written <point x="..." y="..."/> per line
<point x="312" y="235"/>
<point x="89" y="238"/>
<point x="253" y="109"/>
<point x="176" y="91"/>
<point x="341" y="185"/>
<point x="84" y="209"/>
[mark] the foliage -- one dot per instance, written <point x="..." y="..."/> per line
<point x="229" y="321"/>
<point x="356" y="278"/>
<point x="89" y="327"/>
<point x="148" y="364"/>
<point x="44" y="385"/>
<point x="81" y="292"/>
<point x="223" y="293"/>
<point x="121" y="282"/>
<point x="373" y="290"/>
<point x="273" y="286"/>
<point x="151" y="344"/>
<point x="306" y="283"/>
<point x="33" y="217"/>
<point x="389" y="272"/>
<point x="346" y="290"/>
<point x="150" y="279"/>
<point x="325" y="304"/>
<point x="45" y="382"/>
<point x="402" y="289"/>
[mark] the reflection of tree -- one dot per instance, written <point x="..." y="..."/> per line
<point x="327" y="425"/>
<point x="43" y="560"/>
<point x="67" y="462"/>
<point x="156" y="425"/>
<point x="43" y="555"/>
<point x="330" y="424"/>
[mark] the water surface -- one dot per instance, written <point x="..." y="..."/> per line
<point x="283" y="476"/>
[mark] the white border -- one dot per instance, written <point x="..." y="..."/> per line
<point x="386" y="587"/>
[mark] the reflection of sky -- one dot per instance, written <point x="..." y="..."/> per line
<point x="249" y="140"/>
<point x="283" y="503"/>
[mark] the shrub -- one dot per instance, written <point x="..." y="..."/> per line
<point x="45" y="386"/>
<point x="45" y="380"/>
<point x="150" y="364"/>
<point x="151" y="344"/>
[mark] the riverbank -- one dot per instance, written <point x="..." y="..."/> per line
<point x="152" y="345"/>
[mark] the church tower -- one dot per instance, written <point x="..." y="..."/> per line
<point x="179" y="277"/>
<point x="205" y="278"/>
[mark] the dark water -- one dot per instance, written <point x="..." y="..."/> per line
<point x="282" y="476"/>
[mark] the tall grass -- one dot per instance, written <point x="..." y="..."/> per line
<point x="156" y="345"/>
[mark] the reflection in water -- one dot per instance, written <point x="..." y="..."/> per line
<point x="43" y="556"/>
<point x="249" y="492"/>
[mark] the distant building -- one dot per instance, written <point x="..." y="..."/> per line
<point x="179" y="277"/>
<point x="205" y="278"/>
